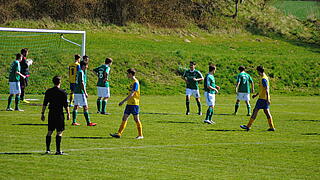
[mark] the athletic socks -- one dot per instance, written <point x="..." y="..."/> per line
<point x="249" y="109"/>
<point x="199" y="107"/>
<point x="123" y="126"/>
<point x="99" y="104"/>
<point x="48" y="141"/>
<point x="236" y="107"/>
<point x="139" y="127"/>
<point x="9" y="101"/>
<point x="209" y="113"/>
<point x="17" y="100"/>
<point x="188" y="106"/>
<point x="86" y="115"/>
<point x="104" y="104"/>
<point x="270" y="122"/>
<point x="250" y="122"/>
<point x="58" y="142"/>
<point x="74" y="116"/>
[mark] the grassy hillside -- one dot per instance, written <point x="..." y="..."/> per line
<point x="300" y="9"/>
<point x="159" y="53"/>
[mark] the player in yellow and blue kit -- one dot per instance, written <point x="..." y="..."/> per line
<point x="263" y="102"/>
<point x="73" y="69"/>
<point x="133" y="100"/>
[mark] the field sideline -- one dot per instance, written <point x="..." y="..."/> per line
<point x="176" y="146"/>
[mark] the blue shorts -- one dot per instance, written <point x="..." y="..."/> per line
<point x="132" y="109"/>
<point x="262" y="104"/>
<point x="72" y="86"/>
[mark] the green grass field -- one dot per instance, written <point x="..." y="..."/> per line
<point x="300" y="9"/>
<point x="176" y="146"/>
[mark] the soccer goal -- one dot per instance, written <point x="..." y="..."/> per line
<point x="45" y="47"/>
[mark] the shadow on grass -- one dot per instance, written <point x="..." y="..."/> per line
<point x="304" y="120"/>
<point x="30" y="124"/>
<point x="34" y="104"/>
<point x="160" y="113"/>
<point x="176" y="122"/>
<point x="223" y="130"/>
<point x="224" y="114"/>
<point x="311" y="134"/>
<point x="9" y="153"/>
<point x="90" y="137"/>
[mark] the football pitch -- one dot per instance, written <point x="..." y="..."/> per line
<point x="175" y="146"/>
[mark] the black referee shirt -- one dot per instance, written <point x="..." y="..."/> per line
<point x="57" y="99"/>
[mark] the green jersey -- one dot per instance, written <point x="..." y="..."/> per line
<point x="189" y="75"/>
<point x="14" y="68"/>
<point x="209" y="81"/>
<point x="101" y="70"/>
<point x="81" y="78"/>
<point x="244" y="81"/>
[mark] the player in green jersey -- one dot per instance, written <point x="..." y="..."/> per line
<point x="14" y="83"/>
<point x="103" y="73"/>
<point x="211" y="89"/>
<point x="80" y="96"/>
<point x="192" y="78"/>
<point x="244" y="81"/>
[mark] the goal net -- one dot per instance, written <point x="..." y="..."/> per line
<point x="50" y="50"/>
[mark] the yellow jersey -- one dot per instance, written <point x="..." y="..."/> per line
<point x="263" y="86"/>
<point x="73" y="68"/>
<point x="135" y="99"/>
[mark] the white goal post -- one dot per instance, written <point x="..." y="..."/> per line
<point x="83" y="33"/>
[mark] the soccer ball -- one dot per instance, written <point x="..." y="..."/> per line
<point x="29" y="62"/>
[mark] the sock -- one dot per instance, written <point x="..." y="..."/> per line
<point x="48" y="141"/>
<point x="188" y="106"/>
<point x="58" y="142"/>
<point x="122" y="127"/>
<point x="99" y="104"/>
<point x="104" y="104"/>
<point x="250" y="122"/>
<point x="270" y="123"/>
<point x="17" y="100"/>
<point x="211" y="113"/>
<point x="74" y="116"/>
<point x="208" y="113"/>
<point x="86" y="115"/>
<point x="139" y="127"/>
<point x="249" y="109"/>
<point x="9" y="101"/>
<point x="236" y="107"/>
<point x="199" y="106"/>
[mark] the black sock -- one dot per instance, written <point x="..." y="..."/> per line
<point x="58" y="142"/>
<point x="188" y="105"/>
<point x="48" y="141"/>
<point x="199" y="106"/>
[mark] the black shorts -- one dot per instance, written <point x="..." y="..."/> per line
<point x="55" y="121"/>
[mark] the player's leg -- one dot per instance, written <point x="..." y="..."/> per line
<point x="236" y="106"/>
<point x="87" y="117"/>
<point x="105" y="95"/>
<point x="9" y="103"/>
<point x="74" y="115"/>
<point x="248" y="108"/>
<point x="270" y="121"/>
<point x="99" y="105"/>
<point x="136" y="110"/>
<point x="71" y="98"/>
<point x="122" y="125"/>
<point x="187" y="105"/>
<point x="17" y="102"/>
<point x="58" y="143"/>
<point x="48" y="141"/>
<point x="196" y="94"/>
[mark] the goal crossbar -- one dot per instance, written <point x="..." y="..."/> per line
<point x="83" y="33"/>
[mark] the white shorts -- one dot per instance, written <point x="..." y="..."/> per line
<point x="103" y="91"/>
<point x="80" y="100"/>
<point x="194" y="92"/>
<point x="243" y="96"/>
<point x="210" y="98"/>
<point x="15" y="87"/>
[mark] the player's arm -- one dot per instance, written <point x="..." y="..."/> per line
<point x="237" y="87"/>
<point x="266" y="88"/>
<point x="66" y="107"/>
<point x="133" y="90"/>
<point x="105" y="75"/>
<point x="82" y="86"/>
<point x="199" y="77"/>
<point x="44" y="106"/>
<point x="252" y="87"/>
<point x="20" y="74"/>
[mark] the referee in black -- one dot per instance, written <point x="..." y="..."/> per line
<point x="57" y="99"/>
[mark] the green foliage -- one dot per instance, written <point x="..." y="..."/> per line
<point x="175" y="146"/>
<point x="301" y="9"/>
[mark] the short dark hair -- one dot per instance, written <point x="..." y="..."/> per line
<point x="260" y="69"/>
<point x="108" y="61"/>
<point x="56" y="80"/>
<point x="24" y="50"/>
<point x="131" y="71"/>
<point x="77" y="56"/>
<point x="212" y="67"/>
<point x="192" y="63"/>
<point x="241" y="68"/>
<point x="18" y="56"/>
<point x="83" y="63"/>
<point x="85" y="57"/>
